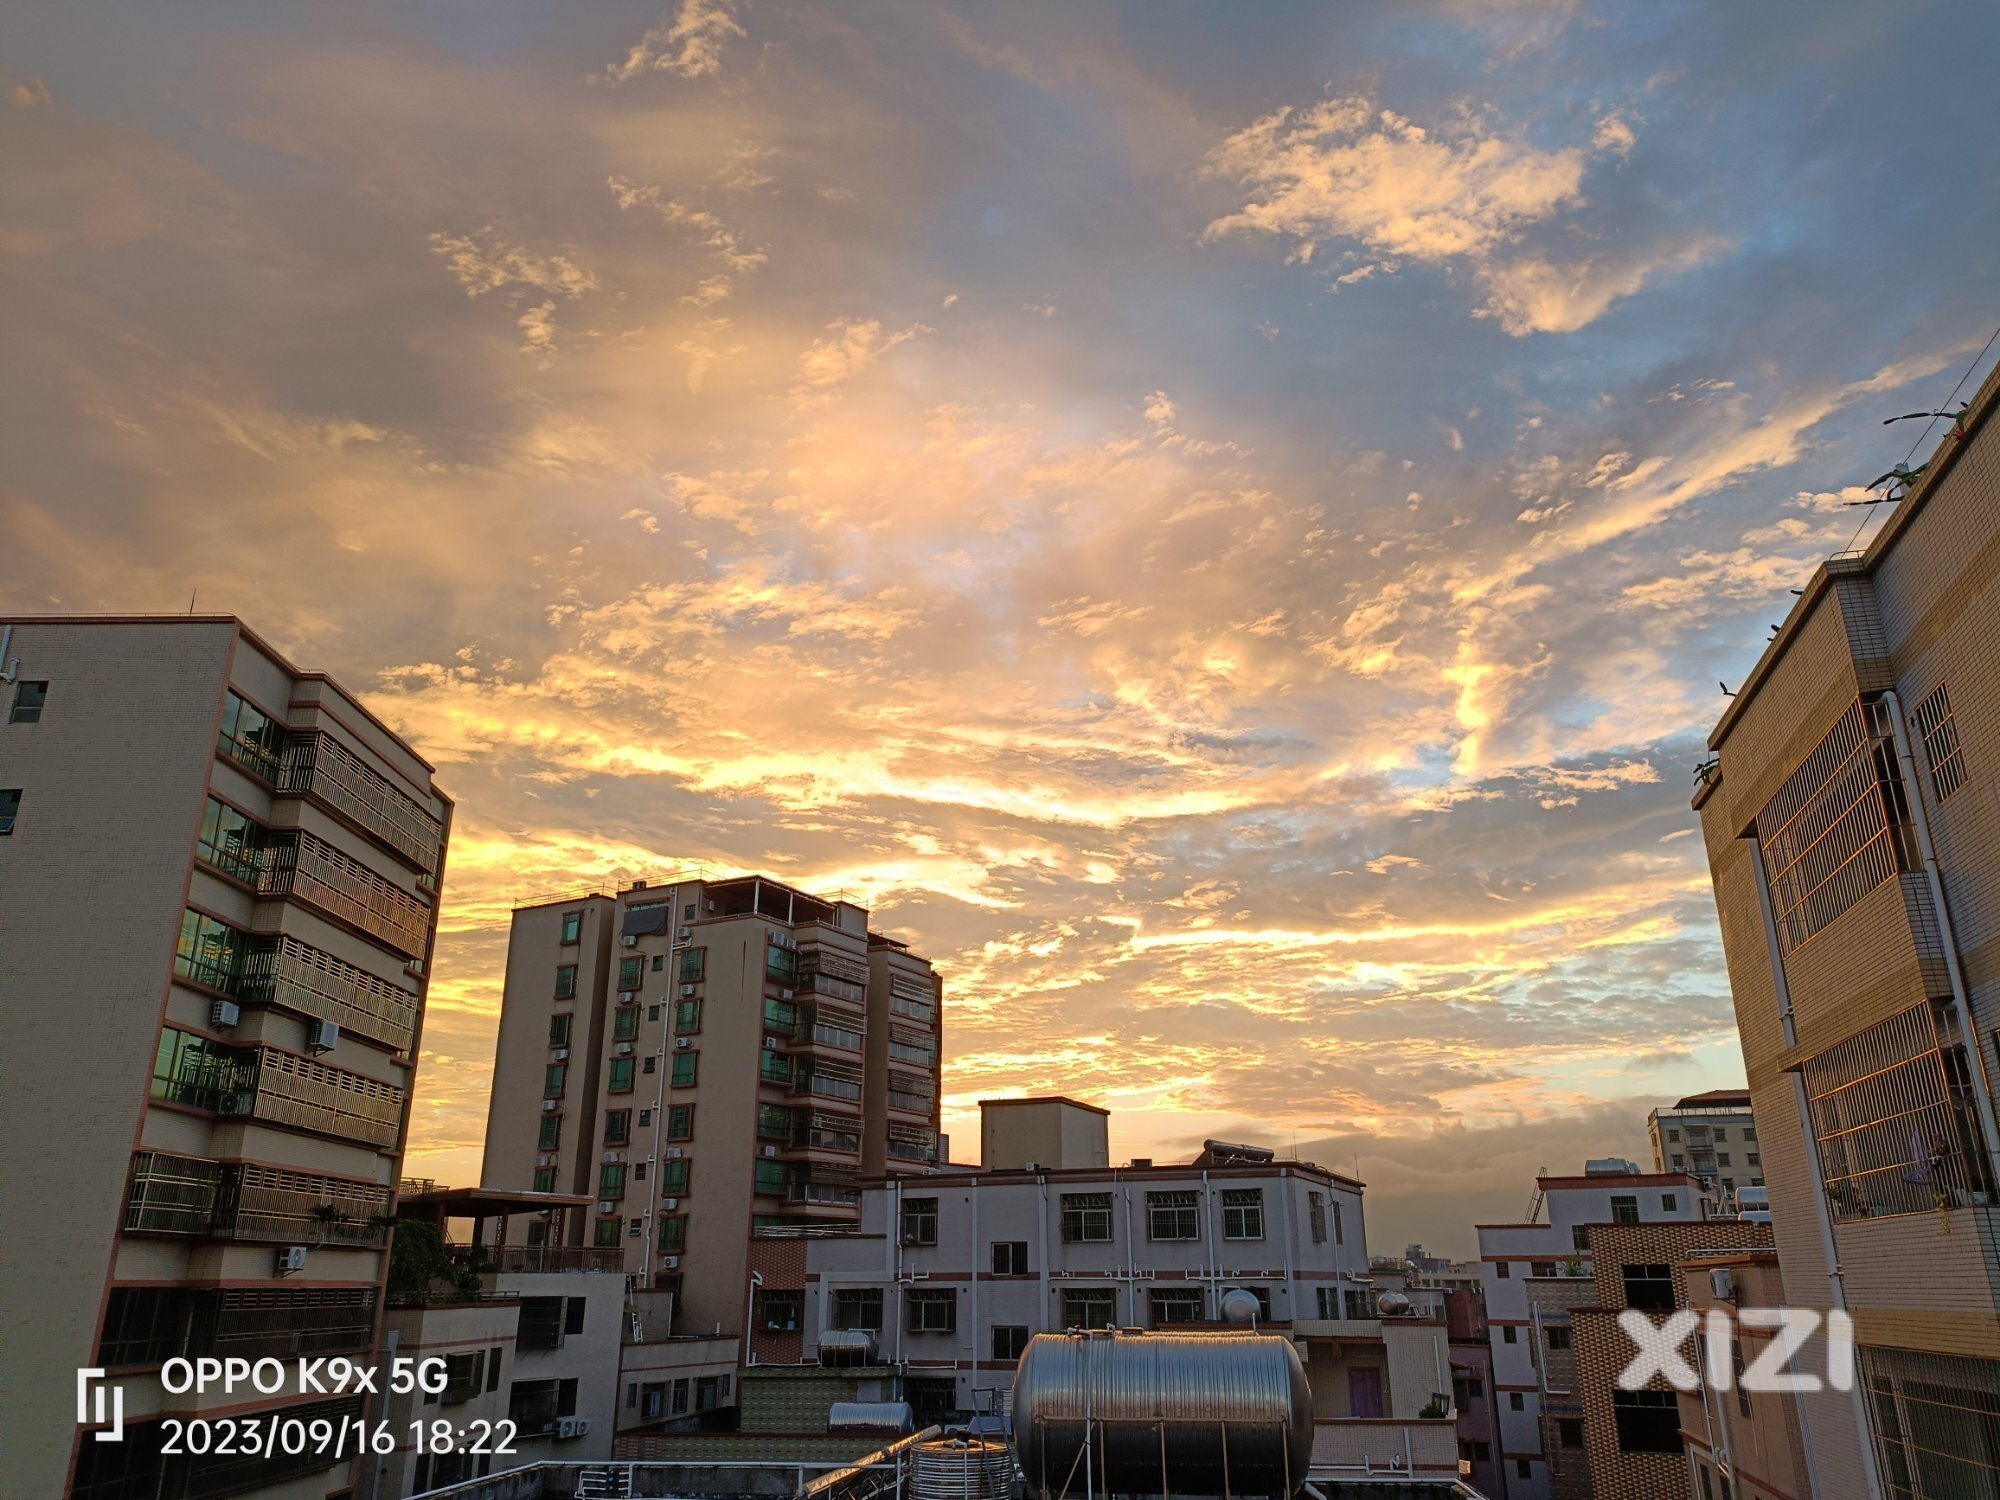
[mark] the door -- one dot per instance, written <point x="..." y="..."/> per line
<point x="1364" y="1392"/>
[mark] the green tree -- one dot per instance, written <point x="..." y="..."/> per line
<point x="421" y="1266"/>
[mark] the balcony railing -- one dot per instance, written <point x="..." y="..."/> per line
<point x="283" y="1088"/>
<point x="315" y="872"/>
<point x="537" y="1258"/>
<point x="828" y="1194"/>
<point x="284" y="971"/>
<point x="827" y="1085"/>
<point x="281" y="1322"/>
<point x="910" y="1094"/>
<point x="319" y="766"/>
<point x="905" y="1144"/>
<point x="241" y="1201"/>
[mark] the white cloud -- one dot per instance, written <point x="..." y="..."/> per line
<point x="482" y="263"/>
<point x="1614" y="134"/>
<point x="849" y="346"/>
<point x="1534" y="295"/>
<point x="688" y="46"/>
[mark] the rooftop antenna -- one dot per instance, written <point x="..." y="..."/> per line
<point x="191" y="594"/>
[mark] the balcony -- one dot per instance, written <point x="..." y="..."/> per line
<point x="318" y="766"/>
<point x="241" y="1201"/>
<point x="825" y="1082"/>
<point x="1383" y="1447"/>
<point x="296" y="1091"/>
<point x="147" y="1325"/>
<point x="307" y="869"/>
<point x="823" y="1194"/>
<point x="815" y="1132"/>
<point x="907" y="1144"/>
<point x="912" y="1095"/>
<point x="536" y="1259"/>
<point x="285" y="972"/>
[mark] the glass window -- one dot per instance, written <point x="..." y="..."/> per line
<point x="1339" y="1228"/>
<point x="229" y="842"/>
<point x="648" y="1065"/>
<point x="673" y="1234"/>
<point x="931" y="1309"/>
<point x="1649" y="1287"/>
<point x="1673" y="1135"/>
<point x="781" y="1310"/>
<point x="1749" y="1132"/>
<point x="1243" y="1213"/>
<point x="192" y="1070"/>
<point x="566" y="982"/>
<point x="1010" y="1257"/>
<point x="1624" y="1210"/>
<point x="920" y="1221"/>
<point x="620" y="1076"/>
<point x="572" y="928"/>
<point x="1669" y="1203"/>
<point x="1721" y="1134"/>
<point x="1647" y="1421"/>
<point x="1722" y="1159"/>
<point x="774" y="1122"/>
<point x="1090" y="1307"/>
<point x="1086" y="1218"/>
<point x="675" y="1174"/>
<point x="555" y="1080"/>
<point x="606" y="1236"/>
<point x="209" y="952"/>
<point x="1010" y="1341"/>
<point x="631" y="972"/>
<point x="781" y="964"/>
<point x="684" y="1068"/>
<point x="774" y="1067"/>
<point x="1178" y="1304"/>
<point x="771" y="1177"/>
<point x="1176" y="1216"/>
<point x="551" y="1135"/>
<point x="611" y="1180"/>
<point x="1557" y="1335"/>
<point x="28" y="700"/>
<point x="694" y="963"/>
<point x="1316" y="1216"/>
<point x="624" y="1023"/>
<point x="617" y="1127"/>
<point x="545" y="1179"/>
<point x="858" y="1307"/>
<point x="250" y="738"/>
<point x="559" y="1029"/>
<point x="680" y="1122"/>
<point x="687" y="1017"/>
<point x="659" y="962"/>
<point x="10" y="808"/>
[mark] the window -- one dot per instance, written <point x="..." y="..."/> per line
<point x="931" y="1309"/>
<point x="1476" y="1451"/>
<point x="551" y="1136"/>
<point x="1749" y="1132"/>
<point x="659" y="962"/>
<point x="611" y="1180"/>
<point x="1175" y="1216"/>
<point x="1263" y="1296"/>
<point x="229" y="843"/>
<point x="572" y="928"/>
<point x="780" y="1016"/>
<point x="1466" y="1389"/>
<point x="620" y="1077"/>
<point x="1625" y="1210"/>
<point x="673" y="1234"/>
<point x="1579" y="1238"/>
<point x="1673" y="1135"/>
<point x="710" y="1391"/>
<point x="1736" y="1364"/>
<point x="1328" y="1299"/>
<point x="1360" y="1306"/>
<point x="781" y="964"/>
<point x="10" y="807"/>
<point x="682" y="1397"/>
<point x="1010" y="1341"/>
<point x="1515" y="1400"/>
<point x="1243" y="1213"/>
<point x="781" y="1311"/>
<point x="687" y="1017"/>
<point x="858" y="1308"/>
<point x="1510" y="1335"/>
<point x="684" y="1068"/>
<point x="771" y="1177"/>
<point x="566" y="982"/>
<point x="1648" y="1421"/>
<point x="28" y="700"/>
<point x="652" y="1013"/>
<point x="652" y="1401"/>
<point x="1934" y="723"/>
<point x="1754" y="1159"/>
<point x="1668" y="1203"/>
<point x="545" y="1179"/>
<point x="693" y="962"/>
<point x="920" y="1221"/>
<point x="143" y="1325"/>
<point x="631" y="972"/>
<point x="1524" y="1468"/>
<point x="680" y="1122"/>
<point x="1086" y="1218"/>
<point x="1649" y="1287"/>
<point x="774" y="1122"/>
<point x="1010" y="1257"/>
<point x="675" y="1174"/>
<point x="606" y="1234"/>
<point x="1542" y="1268"/>
<point x="1569" y="1432"/>
<point x="1721" y="1133"/>
<point x="554" y="1080"/>
<point x="625" y="1023"/>
<point x="646" y="1065"/>
<point x="1556" y="1336"/>
<point x="617" y="1127"/>
<point x="1177" y="1304"/>
<point x="1679" y="1161"/>
<point x="645" y="1118"/>
<point x="209" y="952"/>
<point x="250" y="738"/>
<point x="559" y="1029"/>
<point x="1339" y="1229"/>
<point x="1090" y="1307"/>
<point x="1722" y="1159"/>
<point x="1503" y="1269"/>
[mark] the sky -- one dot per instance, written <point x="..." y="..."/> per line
<point x="1223" y="525"/>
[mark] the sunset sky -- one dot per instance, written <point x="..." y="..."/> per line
<point x="1223" y="523"/>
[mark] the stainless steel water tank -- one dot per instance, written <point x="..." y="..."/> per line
<point x="961" y="1468"/>
<point x="1167" y="1414"/>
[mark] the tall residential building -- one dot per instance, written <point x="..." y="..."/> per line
<point x="218" y="884"/>
<point x="1533" y="1273"/>
<point x="1852" y="820"/>
<point x="1714" y="1136"/>
<point x="715" y="1062"/>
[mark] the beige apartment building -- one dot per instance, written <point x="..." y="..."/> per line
<point x="218" y="884"/>
<point x="1852" y="822"/>
<point x="717" y="1063"/>
<point x="1712" y="1135"/>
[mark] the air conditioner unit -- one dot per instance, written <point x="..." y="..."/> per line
<point x="687" y="989"/>
<point x="223" y="1014"/>
<point x="572" y="1427"/>
<point x="1722" y="1284"/>
<point x="670" y="1262"/>
<point x="630" y="940"/>
<point x="562" y="1054"/>
<point x="546" y="1159"/>
<point x="784" y="994"/>
<point x="672" y="1153"/>
<point x="235" y="1104"/>
<point x="773" y="1043"/>
<point x="684" y="1042"/>
<point x="624" y="1049"/>
<point x="321" y="1036"/>
<point x="550" y="1106"/>
<point x="291" y="1258"/>
<point x="628" y="997"/>
<point x="607" y="1207"/>
<point x="768" y="1150"/>
<point x="709" y="904"/>
<point x="670" y="1204"/>
<point x="684" y="931"/>
<point x="611" y="1156"/>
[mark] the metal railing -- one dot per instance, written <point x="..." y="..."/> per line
<point x="315" y="872"/>
<point x="294" y="1090"/>
<point x="317" y="765"/>
<point x="284" y="971"/>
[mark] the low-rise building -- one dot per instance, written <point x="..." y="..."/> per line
<point x="1747" y="1444"/>
<point x="1712" y="1135"/>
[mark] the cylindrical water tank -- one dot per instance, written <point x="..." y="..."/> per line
<point x="1165" y="1413"/>
<point x="961" y="1469"/>
<point x="1392" y="1304"/>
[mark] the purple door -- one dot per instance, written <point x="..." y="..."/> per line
<point x="1364" y="1393"/>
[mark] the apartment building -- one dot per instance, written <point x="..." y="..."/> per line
<point x="1751" y="1445"/>
<point x="1851" y="820"/>
<point x="716" y="1062"/>
<point x="1532" y="1273"/>
<point x="1712" y="1135"/>
<point x="220" y="878"/>
<point x="951" y="1273"/>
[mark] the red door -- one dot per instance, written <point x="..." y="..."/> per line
<point x="1364" y="1392"/>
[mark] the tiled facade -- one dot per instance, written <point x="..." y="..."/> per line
<point x="1852" y="822"/>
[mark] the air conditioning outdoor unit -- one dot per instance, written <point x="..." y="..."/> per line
<point x="321" y="1036"/>
<point x="768" y="1150"/>
<point x="549" y="1106"/>
<point x="773" y="1043"/>
<point x="624" y="1049"/>
<point x="572" y="1427"/>
<point x="630" y="940"/>
<point x="687" y="989"/>
<point x="223" y="1014"/>
<point x="236" y="1104"/>
<point x="628" y="997"/>
<point x="611" y="1156"/>
<point x="562" y="1054"/>
<point x="291" y="1258"/>
<point x="784" y="994"/>
<point x="670" y="1262"/>
<point x="670" y="1204"/>
<point x="684" y="1042"/>
<point x="546" y="1159"/>
<point x="684" y="932"/>
<point x="607" y="1207"/>
<point x="1722" y="1284"/>
<point x="673" y="1153"/>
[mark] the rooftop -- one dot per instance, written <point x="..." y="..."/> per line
<point x="1714" y="1097"/>
<point x="1044" y="1099"/>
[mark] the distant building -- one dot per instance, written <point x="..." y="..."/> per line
<point x="1712" y="1135"/>
<point x="1851" y="825"/>
<point x="1533" y="1274"/>
<point x="1751" y="1445"/>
